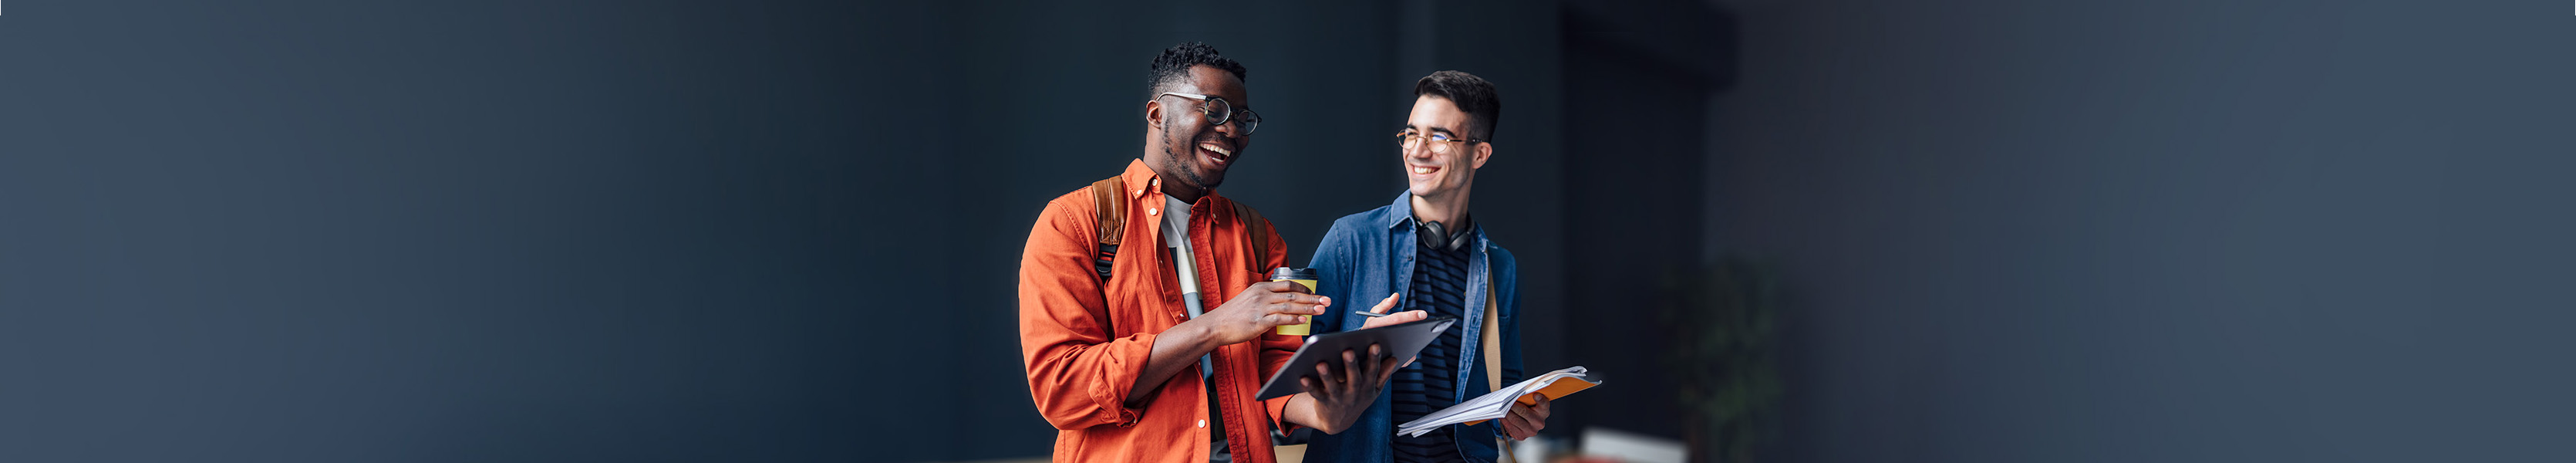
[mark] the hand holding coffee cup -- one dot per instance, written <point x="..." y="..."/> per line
<point x="1301" y="276"/>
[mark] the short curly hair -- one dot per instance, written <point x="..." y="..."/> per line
<point x="1173" y="67"/>
<point x="1473" y="95"/>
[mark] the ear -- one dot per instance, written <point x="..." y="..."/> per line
<point x="1154" y="113"/>
<point x="1484" y="150"/>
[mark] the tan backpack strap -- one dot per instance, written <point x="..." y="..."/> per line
<point x="1109" y="199"/>
<point x="1494" y="358"/>
<point x="1260" y="235"/>
<point x="1493" y="338"/>
<point x="1109" y="211"/>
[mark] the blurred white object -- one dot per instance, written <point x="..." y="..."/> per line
<point x="1631" y="447"/>
<point x="1533" y="450"/>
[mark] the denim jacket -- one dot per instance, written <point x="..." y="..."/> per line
<point x="1369" y="255"/>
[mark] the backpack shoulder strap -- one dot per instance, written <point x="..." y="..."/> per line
<point x="1494" y="360"/>
<point x="1493" y="338"/>
<point x="1109" y="201"/>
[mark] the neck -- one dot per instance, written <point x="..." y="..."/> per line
<point x="1450" y="210"/>
<point x="1172" y="184"/>
<point x="1181" y="192"/>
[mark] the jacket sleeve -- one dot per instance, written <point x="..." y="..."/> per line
<point x="1277" y="348"/>
<point x="1078" y="375"/>
<point x="1334" y="272"/>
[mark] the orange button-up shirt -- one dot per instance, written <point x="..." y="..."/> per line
<point x="1085" y="340"/>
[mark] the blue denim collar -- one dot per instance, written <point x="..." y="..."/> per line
<point x="1401" y="219"/>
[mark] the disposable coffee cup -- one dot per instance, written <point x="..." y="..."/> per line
<point x="1303" y="276"/>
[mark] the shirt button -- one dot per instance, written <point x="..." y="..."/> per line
<point x="1149" y="211"/>
<point x="1202" y="423"/>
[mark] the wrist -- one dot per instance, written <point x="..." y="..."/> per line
<point x="1194" y="336"/>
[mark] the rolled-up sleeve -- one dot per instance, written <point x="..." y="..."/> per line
<point x="1276" y="349"/>
<point x="1078" y="375"/>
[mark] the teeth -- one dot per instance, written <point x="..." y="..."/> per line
<point x="1217" y="149"/>
<point x="1421" y="170"/>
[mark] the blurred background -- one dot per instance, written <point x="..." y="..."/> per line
<point x="1782" y="230"/>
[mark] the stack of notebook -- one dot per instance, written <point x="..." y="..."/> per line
<point x="1554" y="385"/>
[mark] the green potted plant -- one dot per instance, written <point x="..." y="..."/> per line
<point x="1724" y="322"/>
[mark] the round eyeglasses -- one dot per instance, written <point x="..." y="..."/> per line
<point x="1440" y="142"/>
<point x="1218" y="112"/>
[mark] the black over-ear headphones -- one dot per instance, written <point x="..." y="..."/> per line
<point x="1433" y="235"/>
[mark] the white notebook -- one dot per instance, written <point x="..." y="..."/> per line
<point x="1554" y="385"/>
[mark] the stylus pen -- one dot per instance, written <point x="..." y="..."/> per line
<point x="1372" y="314"/>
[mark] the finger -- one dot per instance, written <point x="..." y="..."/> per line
<point x="1297" y="301"/>
<point x="1542" y="407"/>
<point x="1410" y="316"/>
<point x="1530" y="428"/>
<point x="1328" y="381"/>
<point x="1314" y="388"/>
<point x="1341" y="384"/>
<point x="1290" y="308"/>
<point x="1398" y="318"/>
<point x="1387" y="304"/>
<point x="1350" y="366"/>
<point x="1529" y="418"/>
<point x="1268" y="288"/>
<point x="1367" y="366"/>
<point x="1513" y="427"/>
<point x="1336" y="373"/>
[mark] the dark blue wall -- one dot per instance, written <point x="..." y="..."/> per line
<point x="610" y="231"/>
<point x="787" y="231"/>
<point x="2161" y="231"/>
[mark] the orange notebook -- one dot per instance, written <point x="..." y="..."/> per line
<point x="1553" y="385"/>
<point x="1555" y="390"/>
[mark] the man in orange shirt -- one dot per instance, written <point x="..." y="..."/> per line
<point x="1118" y="360"/>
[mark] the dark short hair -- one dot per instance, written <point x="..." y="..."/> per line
<point x="1173" y="67"/>
<point x="1472" y="94"/>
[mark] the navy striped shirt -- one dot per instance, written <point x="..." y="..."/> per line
<point x="1440" y="288"/>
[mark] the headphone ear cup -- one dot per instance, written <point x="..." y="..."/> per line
<point x="1431" y="235"/>
<point x="1434" y="235"/>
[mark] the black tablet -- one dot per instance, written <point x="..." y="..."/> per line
<point x="1404" y="341"/>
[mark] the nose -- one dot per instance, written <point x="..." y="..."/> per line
<point x="1418" y="149"/>
<point x="1233" y="127"/>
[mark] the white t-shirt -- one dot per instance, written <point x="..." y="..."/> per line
<point x="1176" y="235"/>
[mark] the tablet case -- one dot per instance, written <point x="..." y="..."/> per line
<point x="1404" y="341"/>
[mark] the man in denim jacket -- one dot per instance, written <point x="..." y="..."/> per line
<point x="1426" y="249"/>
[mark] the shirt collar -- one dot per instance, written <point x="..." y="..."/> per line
<point x="1140" y="180"/>
<point x="1403" y="215"/>
<point x="1402" y="219"/>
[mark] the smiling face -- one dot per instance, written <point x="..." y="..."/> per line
<point x="1436" y="176"/>
<point x="1195" y="152"/>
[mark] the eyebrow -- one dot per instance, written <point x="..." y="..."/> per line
<point x="1442" y="130"/>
